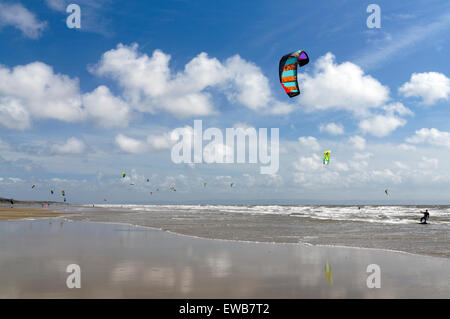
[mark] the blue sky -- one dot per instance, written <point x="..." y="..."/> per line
<point x="78" y="107"/>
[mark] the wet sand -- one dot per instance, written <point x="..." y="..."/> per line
<point x="122" y="261"/>
<point x="27" y="212"/>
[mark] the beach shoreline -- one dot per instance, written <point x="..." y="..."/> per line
<point x="30" y="213"/>
<point x="31" y="210"/>
<point x="273" y="224"/>
<point x="262" y="242"/>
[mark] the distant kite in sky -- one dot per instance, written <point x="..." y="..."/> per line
<point x="326" y="157"/>
<point x="288" y="71"/>
<point x="124" y="174"/>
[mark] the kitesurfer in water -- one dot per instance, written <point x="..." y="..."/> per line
<point x="426" y="216"/>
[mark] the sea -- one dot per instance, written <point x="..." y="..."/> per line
<point x="395" y="228"/>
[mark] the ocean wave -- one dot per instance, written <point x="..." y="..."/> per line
<point x="369" y="214"/>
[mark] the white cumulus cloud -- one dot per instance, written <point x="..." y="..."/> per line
<point x="130" y="145"/>
<point x="341" y="87"/>
<point x="397" y="108"/>
<point x="36" y="90"/>
<point x="430" y="136"/>
<point x="13" y="115"/>
<point x="250" y="86"/>
<point x="150" y="86"/>
<point x="381" y="125"/>
<point x="429" y="86"/>
<point x="106" y="109"/>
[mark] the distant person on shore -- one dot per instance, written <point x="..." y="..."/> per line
<point x="12" y="203"/>
<point x="426" y="216"/>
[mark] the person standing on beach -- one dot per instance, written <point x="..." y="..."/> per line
<point x="12" y="203"/>
<point x="426" y="216"/>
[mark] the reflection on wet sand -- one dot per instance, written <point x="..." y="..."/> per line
<point x="120" y="261"/>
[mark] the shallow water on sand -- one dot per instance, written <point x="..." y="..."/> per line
<point x="384" y="227"/>
<point x="123" y="261"/>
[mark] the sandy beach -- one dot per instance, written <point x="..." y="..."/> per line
<point x="125" y="261"/>
<point x="7" y="213"/>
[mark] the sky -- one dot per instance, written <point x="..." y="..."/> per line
<point x="79" y="106"/>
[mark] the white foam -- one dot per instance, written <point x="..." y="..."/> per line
<point x="368" y="214"/>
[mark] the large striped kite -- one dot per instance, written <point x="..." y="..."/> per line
<point x="288" y="71"/>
